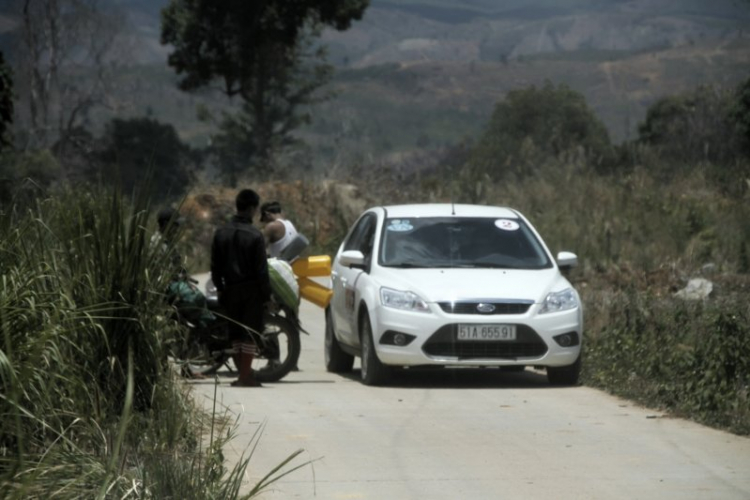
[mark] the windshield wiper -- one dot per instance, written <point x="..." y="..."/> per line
<point x="473" y="265"/>
<point x="408" y="265"/>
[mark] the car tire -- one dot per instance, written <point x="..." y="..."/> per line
<point x="564" y="375"/>
<point x="337" y="361"/>
<point x="373" y="371"/>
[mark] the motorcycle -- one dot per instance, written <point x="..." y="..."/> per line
<point x="206" y="348"/>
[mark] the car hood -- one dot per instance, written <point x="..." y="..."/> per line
<point x="439" y="285"/>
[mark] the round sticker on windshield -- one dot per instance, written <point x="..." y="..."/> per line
<point x="507" y="224"/>
<point x="400" y="226"/>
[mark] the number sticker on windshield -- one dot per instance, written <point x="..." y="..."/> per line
<point x="400" y="226"/>
<point x="507" y="225"/>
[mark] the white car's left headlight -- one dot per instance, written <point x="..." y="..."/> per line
<point x="559" y="301"/>
<point x="406" y="301"/>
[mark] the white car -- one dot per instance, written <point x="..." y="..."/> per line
<point x="451" y="285"/>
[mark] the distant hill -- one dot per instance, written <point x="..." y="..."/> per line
<point x="484" y="30"/>
<point x="440" y="30"/>
<point x="407" y="106"/>
<point x="416" y="74"/>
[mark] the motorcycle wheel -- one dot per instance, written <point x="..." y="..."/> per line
<point x="281" y="349"/>
<point x="202" y="359"/>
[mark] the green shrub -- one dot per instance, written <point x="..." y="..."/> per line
<point x="692" y="359"/>
<point x="143" y="149"/>
<point x="24" y="175"/>
<point x="6" y="102"/>
<point x="701" y="125"/>
<point x="702" y="129"/>
<point x="534" y="124"/>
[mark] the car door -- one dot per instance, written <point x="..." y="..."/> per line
<point x="345" y="294"/>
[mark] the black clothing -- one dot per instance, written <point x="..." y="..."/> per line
<point x="248" y="313"/>
<point x="239" y="270"/>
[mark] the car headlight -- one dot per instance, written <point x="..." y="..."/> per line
<point x="406" y="301"/>
<point x="559" y="301"/>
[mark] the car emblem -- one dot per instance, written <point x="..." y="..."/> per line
<point x="485" y="308"/>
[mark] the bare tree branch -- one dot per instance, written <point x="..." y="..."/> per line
<point x="67" y="44"/>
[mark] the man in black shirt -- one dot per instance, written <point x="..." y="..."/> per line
<point x="239" y="270"/>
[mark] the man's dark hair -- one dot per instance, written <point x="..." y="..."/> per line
<point x="247" y="198"/>
<point x="273" y="207"/>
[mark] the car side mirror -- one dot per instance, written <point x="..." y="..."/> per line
<point x="352" y="258"/>
<point x="567" y="260"/>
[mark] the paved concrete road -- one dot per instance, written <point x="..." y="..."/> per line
<point x="472" y="434"/>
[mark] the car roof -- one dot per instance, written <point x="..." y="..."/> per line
<point x="447" y="210"/>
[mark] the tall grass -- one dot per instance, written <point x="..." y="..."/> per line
<point x="89" y="405"/>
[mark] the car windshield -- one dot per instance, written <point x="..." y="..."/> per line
<point x="471" y="242"/>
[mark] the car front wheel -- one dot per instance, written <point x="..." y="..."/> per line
<point x="373" y="371"/>
<point x="565" y="375"/>
<point x="337" y="361"/>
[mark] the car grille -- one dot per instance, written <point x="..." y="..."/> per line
<point x="528" y="344"/>
<point x="471" y="307"/>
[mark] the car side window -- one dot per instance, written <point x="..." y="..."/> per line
<point x="368" y="238"/>
<point x="358" y="239"/>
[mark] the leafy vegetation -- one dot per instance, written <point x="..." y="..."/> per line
<point x="263" y="54"/>
<point x="642" y="228"/>
<point x="740" y="112"/>
<point x="702" y="129"/>
<point x="6" y="102"/>
<point x="24" y="175"/>
<point x="89" y="404"/>
<point x="536" y="123"/>
<point x="131" y="154"/>
<point x="691" y="359"/>
<point x="142" y="148"/>
<point x="694" y="126"/>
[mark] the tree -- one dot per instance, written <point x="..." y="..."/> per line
<point x="64" y="65"/>
<point x="146" y="154"/>
<point x="708" y="129"/>
<point x="26" y="174"/>
<point x="6" y="102"/>
<point x="741" y="114"/>
<point x="261" y="52"/>
<point x="533" y="124"/>
<point x="693" y="126"/>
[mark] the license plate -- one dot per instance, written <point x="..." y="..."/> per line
<point x="487" y="332"/>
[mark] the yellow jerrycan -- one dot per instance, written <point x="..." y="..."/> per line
<point x="314" y="266"/>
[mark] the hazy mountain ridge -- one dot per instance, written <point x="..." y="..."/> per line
<point x="488" y="30"/>
<point x="407" y="31"/>
<point x="425" y="73"/>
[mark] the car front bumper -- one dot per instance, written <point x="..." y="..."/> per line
<point x="433" y="338"/>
